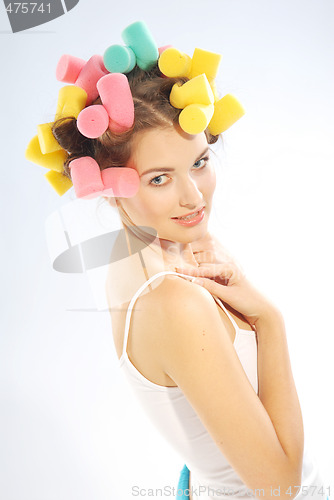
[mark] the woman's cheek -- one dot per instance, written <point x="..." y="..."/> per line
<point x="151" y="205"/>
<point x="209" y="184"/>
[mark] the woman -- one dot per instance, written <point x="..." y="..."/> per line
<point x="205" y="352"/>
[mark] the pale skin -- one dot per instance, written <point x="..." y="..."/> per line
<point x="189" y="341"/>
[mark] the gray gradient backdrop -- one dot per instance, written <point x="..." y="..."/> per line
<point x="70" y="428"/>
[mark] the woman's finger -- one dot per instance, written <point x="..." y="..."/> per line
<point x="213" y="287"/>
<point x="205" y="256"/>
<point x="196" y="271"/>
<point x="209" y="271"/>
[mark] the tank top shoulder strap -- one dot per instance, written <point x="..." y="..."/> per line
<point x="220" y="303"/>
<point x="134" y="299"/>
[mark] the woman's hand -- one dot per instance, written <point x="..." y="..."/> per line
<point x="210" y="250"/>
<point x="221" y="276"/>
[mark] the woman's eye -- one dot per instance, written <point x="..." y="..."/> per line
<point x="158" y="181"/>
<point x="161" y="180"/>
<point x="201" y="163"/>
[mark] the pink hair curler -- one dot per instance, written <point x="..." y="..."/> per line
<point x="93" y="121"/>
<point x="86" y="177"/>
<point x="68" y="68"/>
<point x="90" y="74"/>
<point x="122" y="182"/>
<point x="117" y="99"/>
<point x="162" y="49"/>
<point x="89" y="182"/>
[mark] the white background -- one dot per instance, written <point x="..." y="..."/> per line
<point x="69" y="427"/>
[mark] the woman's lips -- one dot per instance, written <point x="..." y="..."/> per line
<point x="191" y="219"/>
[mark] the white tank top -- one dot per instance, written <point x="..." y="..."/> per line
<point x="176" y="420"/>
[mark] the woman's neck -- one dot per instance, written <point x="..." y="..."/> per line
<point x="176" y="254"/>
<point x="127" y="275"/>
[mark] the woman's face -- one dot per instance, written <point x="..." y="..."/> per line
<point x="177" y="182"/>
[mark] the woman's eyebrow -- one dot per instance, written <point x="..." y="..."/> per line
<point x="168" y="169"/>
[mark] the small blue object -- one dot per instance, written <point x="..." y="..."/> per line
<point x="119" y="59"/>
<point x="183" y="484"/>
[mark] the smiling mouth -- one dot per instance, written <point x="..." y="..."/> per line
<point x="189" y="216"/>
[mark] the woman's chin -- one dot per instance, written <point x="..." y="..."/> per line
<point x="185" y="235"/>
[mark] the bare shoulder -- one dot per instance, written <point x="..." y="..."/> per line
<point x="183" y="313"/>
<point x="188" y="312"/>
<point x="177" y="295"/>
<point x="173" y="304"/>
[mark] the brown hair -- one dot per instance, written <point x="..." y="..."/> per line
<point x="150" y="92"/>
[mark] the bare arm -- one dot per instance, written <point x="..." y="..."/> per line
<point x="261" y="437"/>
<point x="277" y="390"/>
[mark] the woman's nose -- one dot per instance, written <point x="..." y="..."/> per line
<point x="190" y="194"/>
